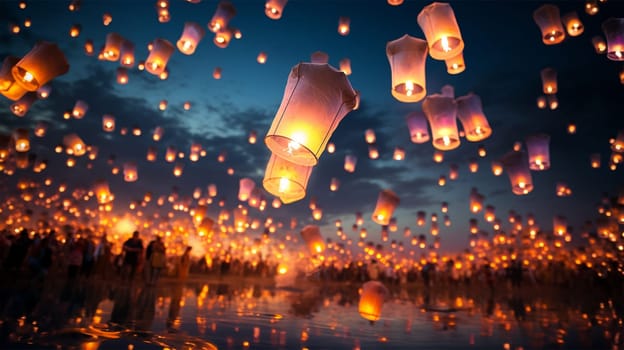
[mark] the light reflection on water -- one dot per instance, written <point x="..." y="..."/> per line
<point x="245" y="314"/>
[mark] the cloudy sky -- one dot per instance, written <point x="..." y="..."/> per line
<point x="503" y="52"/>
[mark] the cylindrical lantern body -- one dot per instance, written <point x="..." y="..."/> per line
<point x="350" y="163"/>
<point x="216" y="73"/>
<point x="112" y="48"/>
<point x="613" y="29"/>
<point x="438" y="22"/>
<point x="223" y="37"/>
<point x="407" y="56"/>
<point x="345" y="66"/>
<point x="516" y="165"/>
<point x="313" y="239"/>
<point x="43" y="63"/>
<point x="399" y="154"/>
<point x="21" y="140"/>
<point x="417" y="125"/>
<point x="455" y="65"/>
<point x="441" y="112"/>
<point x="316" y="99"/>
<point x="74" y="145"/>
<point x="246" y="185"/>
<point x="549" y="81"/>
<point x="151" y="154"/>
<point x="573" y="24"/>
<point x="80" y="109"/>
<point x="122" y="76"/>
<point x="386" y="204"/>
<point x="538" y="147"/>
<point x="560" y="225"/>
<point x="369" y="136"/>
<point x="285" y="179"/>
<point x="343" y="26"/>
<point x="599" y="44"/>
<point x="130" y="172"/>
<point x="21" y="106"/>
<point x="102" y="191"/>
<point x="126" y="56"/>
<point x="274" y="8"/>
<point x="224" y="13"/>
<point x="470" y="113"/>
<point x="595" y="160"/>
<point x="159" y="56"/>
<point x="108" y="123"/>
<point x="191" y="36"/>
<point x="262" y="57"/>
<point x="6" y="75"/>
<point x="373" y="153"/>
<point x="548" y="19"/>
<point x="373" y="295"/>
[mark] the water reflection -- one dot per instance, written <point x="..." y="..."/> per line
<point x="253" y="313"/>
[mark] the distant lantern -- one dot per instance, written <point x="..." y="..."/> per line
<point x="216" y="73"/>
<point x="319" y="57"/>
<point x="541" y="102"/>
<point x="223" y="37"/>
<point x="22" y="106"/>
<point x="122" y="76"/>
<point x="455" y="65"/>
<point x="274" y="8"/>
<point x="516" y="166"/>
<point x="192" y="34"/>
<point x="108" y="123"/>
<point x="262" y="58"/>
<point x="407" y="56"/>
<point x="613" y="29"/>
<point x="373" y="153"/>
<point x="442" y="115"/>
<point x="345" y="66"/>
<point x="399" y="154"/>
<point x="343" y="26"/>
<point x="490" y="213"/>
<point x="223" y="14"/>
<point x="43" y="63"/>
<point x="591" y="7"/>
<point x="395" y="2"/>
<point x="438" y="156"/>
<point x="560" y="225"/>
<point x="245" y="187"/>
<point x="21" y="140"/>
<point x="618" y="142"/>
<point x="573" y="24"/>
<point x="473" y="166"/>
<point x="421" y="218"/>
<point x="74" y="145"/>
<point x="553" y="102"/>
<point x="331" y="148"/>
<point x="562" y="190"/>
<point x="594" y="160"/>
<point x="317" y="97"/>
<point x="74" y="31"/>
<point x="369" y="136"/>
<point x="41" y="129"/>
<point x="285" y="179"/>
<point x="372" y="298"/>
<point x="178" y="169"/>
<point x="112" y="48"/>
<point x="549" y="81"/>
<point x="88" y="47"/>
<point x="599" y="44"/>
<point x="350" y="163"/>
<point x="417" y="126"/>
<point x="151" y="154"/>
<point x="453" y="172"/>
<point x="102" y="191"/>
<point x="386" y="204"/>
<point x="80" y="109"/>
<point x="334" y="185"/>
<point x="438" y="22"/>
<point x="107" y="19"/>
<point x="548" y="19"/>
<point x="162" y="105"/>
<point x="159" y="56"/>
<point x="476" y="201"/>
<point x="313" y="239"/>
<point x="253" y="137"/>
<point x="130" y="172"/>
<point x="538" y="147"/>
<point x="170" y="154"/>
<point x="474" y="122"/>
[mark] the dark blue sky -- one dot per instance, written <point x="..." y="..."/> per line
<point x="503" y="53"/>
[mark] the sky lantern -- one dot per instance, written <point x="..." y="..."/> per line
<point x="373" y="153"/>
<point x="437" y="21"/>
<point x="476" y="201"/>
<point x="159" y="56"/>
<point x="343" y="26"/>
<point x="274" y="8"/>
<point x="42" y="64"/>
<point x="455" y="65"/>
<point x="21" y="106"/>
<point x="541" y="102"/>
<point x="516" y="164"/>
<point x="319" y="57"/>
<point x="473" y="165"/>
<point x="6" y="76"/>
<point x="112" y="48"/>
<point x="192" y="34"/>
<point x="122" y="76"/>
<point x="151" y="154"/>
<point x="158" y="133"/>
<point x="126" y="55"/>
<point x="618" y="143"/>
<point x="490" y="213"/>
<point x="548" y="19"/>
<point x="223" y="37"/>
<point x="216" y="73"/>
<point x="253" y="137"/>
<point x="562" y="190"/>
<point x="369" y="136"/>
<point x="88" y="47"/>
<point x="240" y="219"/>
<point x="107" y="19"/>
<point x="553" y="102"/>
<point x="453" y="172"/>
<point x="399" y="154"/>
<point x="594" y="160"/>
<point x="407" y="56"/>
<point x="130" y="171"/>
<point x="350" y="163"/>
<point x="372" y="297"/>
<point x="178" y="169"/>
<point x="599" y="44"/>
<point x="317" y="213"/>
<point x="549" y="81"/>
<point x="262" y="57"/>
<point x="345" y="66"/>
<point x="313" y="239"/>
<point x="170" y="154"/>
<point x="316" y="98"/>
<point x="80" y="109"/>
<point x="74" y="31"/>
<point x="41" y="128"/>
<point x="613" y="29"/>
<point x="21" y="140"/>
<point x="387" y="202"/>
<point x="285" y="179"/>
<point x="441" y="112"/>
<point x="102" y="191"/>
<point x="591" y="7"/>
<point x="334" y="185"/>
<point x="560" y="225"/>
<point x="74" y="145"/>
<point x="417" y="126"/>
<point x="474" y="122"/>
<point x="538" y="146"/>
<point x="245" y="186"/>
<point x="162" y="105"/>
<point x="108" y="123"/>
<point x="573" y="24"/>
<point x="395" y="2"/>
<point x="223" y="14"/>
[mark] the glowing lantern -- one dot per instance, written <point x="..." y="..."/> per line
<point x="476" y="201"/>
<point x="343" y="26"/>
<point x="112" y="48"/>
<point x="246" y="185"/>
<point x="262" y="57"/>
<point x="473" y="166"/>
<point x="399" y="154"/>
<point x="191" y="36"/>
<point x="553" y="102"/>
<point x="560" y="225"/>
<point x="102" y="191"/>
<point x="613" y="29"/>
<point x="395" y="2"/>
<point x="595" y="160"/>
<point x="549" y="81"/>
<point x="548" y="19"/>
<point x="43" y="63"/>
<point x="407" y="56"/>
<point x="516" y="165"/>
<point x="41" y="129"/>
<point x="252" y="138"/>
<point x="373" y="152"/>
<point x="108" y="123"/>
<point x="130" y="172"/>
<point x="223" y="37"/>
<point x="345" y="66"/>
<point x="350" y="162"/>
<point x="372" y="299"/>
<point x="21" y="106"/>
<point x="490" y="213"/>
<point x="274" y="8"/>
<point x="162" y="105"/>
<point x="331" y="148"/>
<point x="562" y="190"/>
<point x="441" y="112"/>
<point x="74" y="145"/>
<point x="438" y="156"/>
<point x="107" y="19"/>
<point x="74" y="31"/>
<point x="311" y="235"/>
<point x="122" y="76"/>
<point x="317" y="213"/>
<point x="369" y="136"/>
<point x="158" y="133"/>
<point x="159" y="56"/>
<point x="417" y="125"/>
<point x="538" y="147"/>
<point x="455" y="65"/>
<point x="80" y="109"/>
<point x="599" y="44"/>
<point x="21" y="140"/>
<point x="453" y="172"/>
<point x="470" y="113"/>
<point x="438" y="22"/>
<point x="591" y="7"/>
<point x="316" y="99"/>
<point x="178" y="168"/>
<point x="216" y="73"/>
<point x="285" y="179"/>
<point x="386" y="204"/>
<point x="334" y="184"/>
<point x="224" y="13"/>
<point x="573" y="24"/>
<point x="541" y="102"/>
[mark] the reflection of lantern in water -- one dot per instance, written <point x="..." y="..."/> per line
<point x="216" y="73"/>
<point x="548" y="19"/>
<point x="372" y="299"/>
<point x="549" y="81"/>
<point x="573" y="24"/>
<point x="470" y="113"/>
<point x="311" y="235"/>
<point x="74" y="145"/>
<point x="191" y="36"/>
<point x="159" y="56"/>
<point x="417" y="125"/>
<point x="274" y="8"/>
<point x="539" y="151"/>
<point x="407" y="56"/>
<point x="386" y="204"/>
<point x="245" y="186"/>
<point x="285" y="179"/>
<point x="613" y="29"/>
<point x="21" y="140"/>
<point x="438" y="22"/>
<point x="223" y="14"/>
<point x="343" y="26"/>
<point x="441" y="112"/>
<point x="130" y="172"/>
<point x="516" y="165"/>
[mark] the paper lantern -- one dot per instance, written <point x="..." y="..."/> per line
<point x="438" y="156"/>
<point x="274" y="8"/>
<point x="42" y="64"/>
<point x="74" y="31"/>
<point x="541" y="102"/>
<point x="441" y="112"/>
<point x="417" y="126"/>
<point x="490" y="213"/>
<point x="350" y="163"/>
<point x="130" y="172"/>
<point x="122" y="76"/>
<point x="599" y="44"/>
<point x="80" y="109"/>
<point x="88" y="48"/>
<point x="112" y="48"/>
<point x="319" y="57"/>
<point x="560" y="225"/>
<point x="474" y="122"/>
<point x="21" y="106"/>
<point x="399" y="154"/>
<point x="455" y="65"/>
<point x="476" y="201"/>
<point x="108" y="123"/>
<point x="311" y="235"/>
<point x="453" y="172"/>
<point x="178" y="169"/>
<point x="285" y="179"/>
<point x="548" y="19"/>
<point x="618" y="143"/>
<point x="549" y="81"/>
<point x="395" y="2"/>
<point x="246" y="185"/>
<point x="369" y="136"/>
<point x="317" y="213"/>
<point x="562" y="190"/>
<point x="262" y="57"/>
<point x="223" y="37"/>
<point x="473" y="166"/>
<point x="331" y="148"/>
<point x="343" y="26"/>
<point x="437" y="21"/>
<point x="223" y="14"/>
<point x="158" y="133"/>
<point x="553" y="102"/>
<point x="373" y="153"/>
<point x="345" y="66"/>
<point x="372" y="298"/>
<point x="6" y="76"/>
<point x="613" y="29"/>
<point x="216" y="73"/>
<point x="407" y="56"/>
<point x="192" y="34"/>
<point x="126" y="58"/>
<point x="595" y="160"/>
<point x="516" y="165"/>
<point x="386" y="204"/>
<point x="41" y="129"/>
<point x="107" y="19"/>
<point x="334" y="185"/>
<point x="591" y="7"/>
<point x="538" y="147"/>
<point x="102" y="191"/>
<point x="315" y="100"/>
<point x="159" y="56"/>
<point x="573" y="24"/>
<point x="21" y="140"/>
<point x="74" y="145"/>
<point x="240" y="219"/>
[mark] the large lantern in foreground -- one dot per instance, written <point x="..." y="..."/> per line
<point x="372" y="298"/>
<point x="470" y="113"/>
<point x="191" y="36"/>
<point x="274" y="8"/>
<point x="613" y="29"/>
<point x="43" y="63"/>
<point x="516" y="165"/>
<point x="407" y="56"/>
<point x="538" y="146"/>
<point x="548" y="19"/>
<point x="159" y="56"/>
<point x="386" y="204"/>
<point x="438" y="22"/>
<point x="316" y="99"/>
<point x="441" y="111"/>
<point x="285" y="179"/>
<point x="311" y="235"/>
<point x="417" y="125"/>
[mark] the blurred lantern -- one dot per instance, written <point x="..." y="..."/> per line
<point x="442" y="115"/>
<point x="108" y="123"/>
<point x="386" y="204"/>
<point x="476" y="201"/>
<point x="212" y="190"/>
<point x="573" y="24"/>
<point x="571" y="128"/>
<point x="158" y="133"/>
<point x="274" y="8"/>
<point x="311" y="235"/>
<point x="223" y="37"/>
<point x="516" y="165"/>
<point x="74" y="145"/>
<point x="43" y="63"/>
<point x="595" y="160"/>
<point x="438" y="22"/>
<point x="343" y="26"/>
<point x="317" y="213"/>
<point x="617" y="144"/>
<point x="372" y="299"/>
<point x="186" y="106"/>
<point x="162" y="105"/>
<point x="438" y="156"/>
<point x="80" y="109"/>
<point x="331" y="148"/>
<point x="453" y="172"/>
<point x="41" y="128"/>
<point x="246" y="185"/>
<point x="178" y="168"/>
<point x="474" y="122"/>
<point x="102" y="191"/>
<point x="613" y="29"/>
<point x="285" y="179"/>
<point x="350" y="162"/>
<point x="399" y="154"/>
<point x="421" y="218"/>
<point x="192" y="34"/>
<point x="541" y="102"/>
<point x="549" y="81"/>
<point x="122" y="76"/>
<point x="107" y="19"/>
<point x="553" y="102"/>
<point x="482" y="152"/>
<point x="112" y="48"/>
<point x="126" y="55"/>
<point x="455" y="65"/>
<point x="548" y="19"/>
<point x="560" y="225"/>
<point x="205" y="228"/>
<point x="538" y="146"/>
<point x="369" y="136"/>
<point x="170" y="154"/>
<point x="417" y="125"/>
<point x="490" y="213"/>
<point x="473" y="166"/>
<point x="240" y="219"/>
<point x="224" y="13"/>
<point x="88" y="47"/>
<point x="334" y="184"/>
<point x="151" y="154"/>
<point x="591" y="7"/>
<point x="216" y="73"/>
<point x="21" y="106"/>
<point x="262" y="57"/>
<point x="74" y="31"/>
<point x="316" y="99"/>
<point x="159" y="56"/>
<point x="252" y="138"/>
<point x="130" y="171"/>
<point x="395" y="2"/>
<point x="407" y="56"/>
<point x="21" y="140"/>
<point x="562" y="190"/>
<point x="599" y="44"/>
<point x="345" y="66"/>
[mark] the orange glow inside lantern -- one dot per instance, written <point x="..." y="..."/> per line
<point x="216" y="73"/>
<point x="573" y="24"/>
<point x="112" y="48"/>
<point x="372" y="298"/>
<point x="130" y="172"/>
<point x="262" y="57"/>
<point x="223" y="14"/>
<point x="437" y="21"/>
<point x="285" y="179"/>
<point x="192" y="34"/>
<point x="74" y="145"/>
<point x="474" y="122"/>
<point x="345" y="66"/>
<point x="591" y="7"/>
<point x="122" y="76"/>
<point x="80" y="109"/>
<point x="21" y="140"/>
<point x="159" y="56"/>
<point x="21" y="106"/>
<point x="516" y="164"/>
<point x="417" y="125"/>
<point x="343" y="26"/>
<point x="407" y="56"/>
<point x="538" y="147"/>
<point x="126" y="58"/>
<point x="455" y="65"/>
<point x="245" y="187"/>
<point x="369" y="136"/>
<point x="334" y="185"/>
<point x="549" y="81"/>
<point x="350" y="163"/>
<point x="108" y="123"/>
<point x="560" y="225"/>
<point x="43" y="63"/>
<point x="313" y="239"/>
<point x="441" y="112"/>
<point x="548" y="20"/>
<point x="274" y="8"/>
<point x="387" y="202"/>
<point x="399" y="154"/>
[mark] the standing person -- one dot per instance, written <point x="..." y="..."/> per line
<point x="74" y="258"/>
<point x="102" y="256"/>
<point x="185" y="264"/>
<point x="133" y="251"/>
<point x="147" y="272"/>
<point x="157" y="260"/>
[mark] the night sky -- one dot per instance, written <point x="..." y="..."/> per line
<point x="504" y="55"/>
